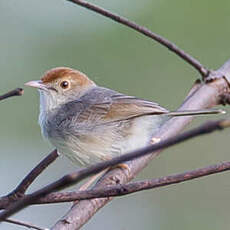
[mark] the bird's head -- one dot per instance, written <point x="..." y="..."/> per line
<point x="60" y="85"/>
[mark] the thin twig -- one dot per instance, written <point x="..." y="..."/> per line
<point x="24" y="224"/>
<point x="12" y="93"/>
<point x="124" y="189"/>
<point x="35" y="172"/>
<point x="143" y="30"/>
<point x="81" y="174"/>
<point x="20" y="190"/>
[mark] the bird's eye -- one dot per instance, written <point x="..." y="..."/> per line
<point x="64" y="84"/>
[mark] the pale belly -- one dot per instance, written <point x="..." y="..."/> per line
<point x="105" y="142"/>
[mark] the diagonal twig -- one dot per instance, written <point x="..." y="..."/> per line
<point x="35" y="172"/>
<point x="24" y="224"/>
<point x="12" y="93"/>
<point x="124" y="189"/>
<point x="20" y="190"/>
<point x="81" y="174"/>
<point x="143" y="30"/>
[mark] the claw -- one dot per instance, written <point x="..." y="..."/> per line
<point x="124" y="167"/>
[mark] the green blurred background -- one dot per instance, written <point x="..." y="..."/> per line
<point x="36" y="36"/>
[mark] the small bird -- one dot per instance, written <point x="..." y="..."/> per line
<point x="88" y="123"/>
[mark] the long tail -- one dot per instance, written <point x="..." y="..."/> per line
<point x="195" y="112"/>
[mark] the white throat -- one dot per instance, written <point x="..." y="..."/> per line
<point x="48" y="102"/>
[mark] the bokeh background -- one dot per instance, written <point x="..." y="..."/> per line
<point x="38" y="35"/>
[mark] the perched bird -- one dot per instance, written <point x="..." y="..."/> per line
<point x="88" y="123"/>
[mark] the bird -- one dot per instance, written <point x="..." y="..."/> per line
<point x="89" y="123"/>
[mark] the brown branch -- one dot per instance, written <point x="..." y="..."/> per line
<point x="124" y="189"/>
<point x="81" y="174"/>
<point x="143" y="30"/>
<point x="35" y="172"/>
<point x="201" y="96"/>
<point x="24" y="224"/>
<point x="12" y="93"/>
<point x="28" y="180"/>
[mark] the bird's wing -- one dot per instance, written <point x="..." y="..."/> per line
<point x="125" y="107"/>
<point x="110" y="106"/>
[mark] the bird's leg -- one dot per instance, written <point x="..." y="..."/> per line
<point x="88" y="183"/>
<point x="96" y="176"/>
<point x="122" y="166"/>
<point x="125" y="166"/>
<point x="92" y="179"/>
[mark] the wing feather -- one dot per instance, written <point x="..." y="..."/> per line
<point x="113" y="106"/>
<point x="101" y="105"/>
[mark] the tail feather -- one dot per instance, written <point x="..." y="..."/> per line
<point x="195" y="112"/>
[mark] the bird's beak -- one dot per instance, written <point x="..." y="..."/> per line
<point x="36" y="84"/>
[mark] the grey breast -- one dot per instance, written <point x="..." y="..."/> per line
<point x="81" y="115"/>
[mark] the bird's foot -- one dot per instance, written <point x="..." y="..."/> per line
<point x="123" y="166"/>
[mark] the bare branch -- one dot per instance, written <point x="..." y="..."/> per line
<point x="81" y="174"/>
<point x="28" y="180"/>
<point x="12" y="93"/>
<point x="35" y="172"/>
<point x="24" y="224"/>
<point x="143" y="30"/>
<point x="124" y="189"/>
